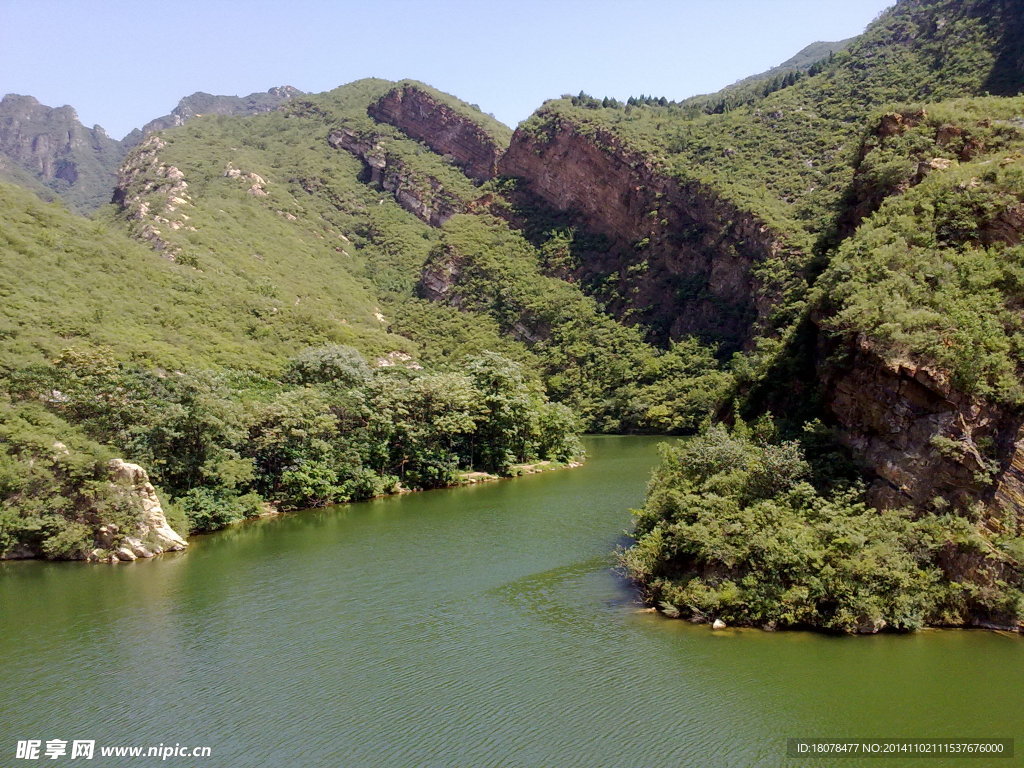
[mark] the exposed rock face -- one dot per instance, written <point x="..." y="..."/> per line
<point x="683" y="258"/>
<point x="440" y="277"/>
<point x="256" y="184"/>
<point x="200" y="103"/>
<point x="153" y="534"/>
<point x="420" y="194"/>
<point x="154" y="195"/>
<point x="52" y="147"/>
<point x="420" y="116"/>
<point x="924" y="439"/>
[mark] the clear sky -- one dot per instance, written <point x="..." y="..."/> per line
<point x="121" y="63"/>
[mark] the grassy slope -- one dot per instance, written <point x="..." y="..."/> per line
<point x="67" y="280"/>
<point x="322" y="241"/>
<point x="788" y="156"/>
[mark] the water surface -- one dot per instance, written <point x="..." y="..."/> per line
<point x="479" y="626"/>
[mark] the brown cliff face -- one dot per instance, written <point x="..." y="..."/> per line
<point x="681" y="258"/>
<point x="932" y="447"/>
<point x="420" y="194"/>
<point x="923" y="438"/>
<point x="418" y="115"/>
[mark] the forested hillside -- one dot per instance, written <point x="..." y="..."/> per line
<point x="858" y="226"/>
<point x="246" y="324"/>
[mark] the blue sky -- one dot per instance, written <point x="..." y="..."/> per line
<point x="123" y="63"/>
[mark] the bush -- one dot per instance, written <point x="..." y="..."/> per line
<point x="208" y="509"/>
<point x="733" y="529"/>
<point x="332" y="364"/>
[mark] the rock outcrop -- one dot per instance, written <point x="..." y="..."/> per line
<point x="153" y="195"/>
<point x="440" y="276"/>
<point x="153" y="534"/>
<point x="682" y="258"/>
<point x="422" y="117"/>
<point x="926" y="440"/>
<point x="421" y="194"/>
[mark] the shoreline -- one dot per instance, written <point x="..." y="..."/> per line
<point x="463" y="480"/>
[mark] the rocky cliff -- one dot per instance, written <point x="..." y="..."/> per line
<point x="421" y="194"/>
<point x="924" y="439"/>
<point x="681" y="260"/>
<point x="422" y="116"/>
<point x="152" y="535"/>
<point x="52" y="147"/>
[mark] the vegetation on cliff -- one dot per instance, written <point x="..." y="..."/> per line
<point x="895" y="183"/>
<point x="740" y="526"/>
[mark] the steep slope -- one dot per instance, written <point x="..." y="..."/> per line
<point x="907" y="345"/>
<point x="676" y="257"/>
<point x="923" y="302"/>
<point x="50" y="147"/>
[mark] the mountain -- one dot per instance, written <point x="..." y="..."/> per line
<point x="380" y="285"/>
<point x="55" y="154"/>
<point x="808" y="60"/>
<point x="200" y="103"/>
<point x="49" y="151"/>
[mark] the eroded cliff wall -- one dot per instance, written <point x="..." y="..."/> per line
<point x="421" y="194"/>
<point x="683" y="260"/>
<point x="924" y="439"/>
<point x="422" y="117"/>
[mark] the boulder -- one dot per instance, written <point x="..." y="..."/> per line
<point x="153" y="527"/>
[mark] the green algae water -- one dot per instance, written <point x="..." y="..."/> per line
<point x="479" y="626"/>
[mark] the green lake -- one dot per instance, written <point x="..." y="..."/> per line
<point x="479" y="626"/>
